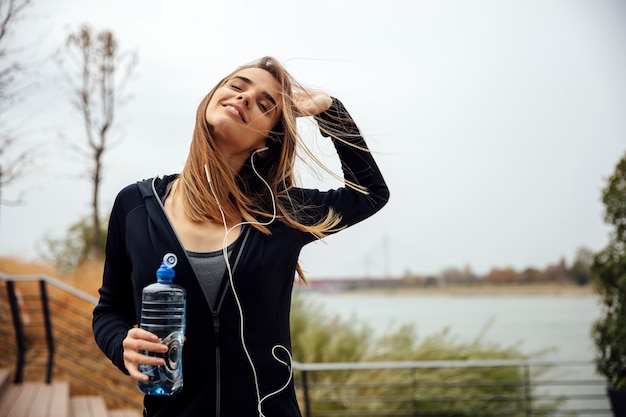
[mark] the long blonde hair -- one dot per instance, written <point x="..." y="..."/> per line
<point x="242" y="194"/>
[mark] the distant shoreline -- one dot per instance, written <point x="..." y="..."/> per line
<point x="565" y="290"/>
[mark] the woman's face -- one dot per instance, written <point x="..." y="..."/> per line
<point x="243" y="111"/>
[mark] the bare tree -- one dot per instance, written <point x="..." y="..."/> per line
<point x="9" y="15"/>
<point x="13" y="162"/>
<point x="97" y="78"/>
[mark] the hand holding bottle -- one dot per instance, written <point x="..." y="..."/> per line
<point x="138" y="341"/>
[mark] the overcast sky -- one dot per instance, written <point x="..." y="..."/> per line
<point x="495" y="122"/>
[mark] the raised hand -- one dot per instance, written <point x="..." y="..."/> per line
<point x="311" y="103"/>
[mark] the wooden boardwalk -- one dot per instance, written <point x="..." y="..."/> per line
<point x="38" y="399"/>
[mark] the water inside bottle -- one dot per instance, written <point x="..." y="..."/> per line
<point x="163" y="314"/>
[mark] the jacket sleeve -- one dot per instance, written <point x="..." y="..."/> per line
<point x="115" y="313"/>
<point x="358" y="166"/>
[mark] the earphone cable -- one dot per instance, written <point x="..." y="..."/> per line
<point x="227" y="231"/>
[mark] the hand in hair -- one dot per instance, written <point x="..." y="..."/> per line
<point x="311" y="103"/>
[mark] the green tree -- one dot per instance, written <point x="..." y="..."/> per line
<point x="609" y="277"/>
<point x="581" y="268"/>
<point x="75" y="246"/>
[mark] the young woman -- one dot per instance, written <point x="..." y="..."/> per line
<point x="237" y="223"/>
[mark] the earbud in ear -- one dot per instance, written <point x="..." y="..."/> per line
<point x="259" y="150"/>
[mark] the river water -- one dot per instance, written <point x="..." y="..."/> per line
<point x="559" y="326"/>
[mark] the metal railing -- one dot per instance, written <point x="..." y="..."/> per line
<point x="452" y="388"/>
<point x="51" y="328"/>
<point x="31" y="335"/>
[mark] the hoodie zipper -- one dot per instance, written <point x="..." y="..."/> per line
<point x="216" y="327"/>
<point x="216" y="330"/>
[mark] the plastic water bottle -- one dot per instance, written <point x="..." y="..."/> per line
<point x="163" y="313"/>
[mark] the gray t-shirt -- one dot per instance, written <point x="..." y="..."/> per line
<point x="209" y="268"/>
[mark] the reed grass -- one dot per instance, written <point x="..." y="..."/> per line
<point x="319" y="337"/>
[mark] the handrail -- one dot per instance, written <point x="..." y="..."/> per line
<point x="450" y="385"/>
<point x="342" y="366"/>
<point x="53" y="281"/>
<point x="79" y="322"/>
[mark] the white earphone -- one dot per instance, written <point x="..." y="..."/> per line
<point x="232" y="285"/>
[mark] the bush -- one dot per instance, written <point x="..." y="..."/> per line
<point x="609" y="279"/>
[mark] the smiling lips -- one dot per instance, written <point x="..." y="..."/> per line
<point x="235" y="110"/>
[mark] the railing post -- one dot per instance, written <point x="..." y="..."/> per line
<point x="19" y="332"/>
<point x="305" y="389"/>
<point x="48" y="327"/>
<point x="527" y="390"/>
<point x="414" y="391"/>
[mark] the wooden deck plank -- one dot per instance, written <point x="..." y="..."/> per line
<point x="35" y="399"/>
<point x="5" y="374"/>
<point x="60" y="404"/>
<point x="88" y="406"/>
<point x="41" y="400"/>
<point x="124" y="413"/>
<point x="6" y="394"/>
<point x="79" y="407"/>
<point x="8" y="400"/>
<point x="26" y="393"/>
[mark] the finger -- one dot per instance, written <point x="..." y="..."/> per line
<point x="140" y="339"/>
<point x="136" y="342"/>
<point x="311" y="103"/>
<point x="136" y="345"/>
<point x="133" y="359"/>
<point x="137" y="333"/>
<point x="133" y="371"/>
<point x="321" y="102"/>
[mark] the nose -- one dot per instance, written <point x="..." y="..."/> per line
<point x="245" y="97"/>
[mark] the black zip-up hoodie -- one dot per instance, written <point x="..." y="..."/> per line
<point x="218" y="380"/>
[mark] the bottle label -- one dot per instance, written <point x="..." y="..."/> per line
<point x="166" y="379"/>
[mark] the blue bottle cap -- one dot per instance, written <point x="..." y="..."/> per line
<point x="165" y="271"/>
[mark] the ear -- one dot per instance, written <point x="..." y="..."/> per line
<point x="262" y="152"/>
